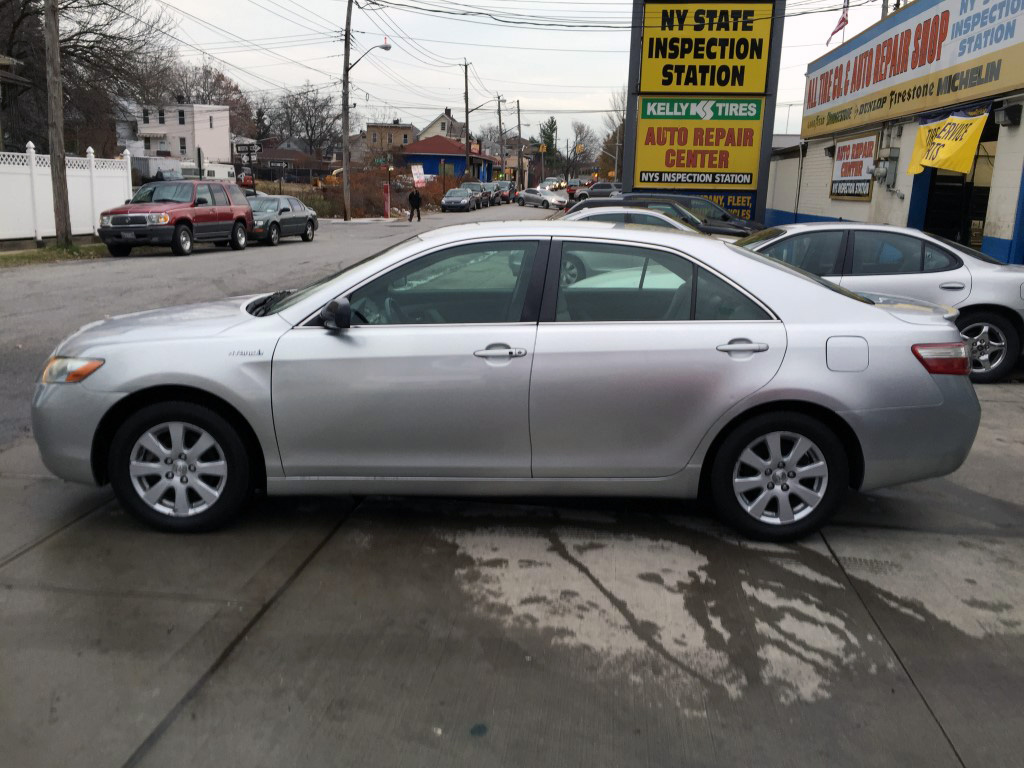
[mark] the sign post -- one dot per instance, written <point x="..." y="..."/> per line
<point x="702" y="106"/>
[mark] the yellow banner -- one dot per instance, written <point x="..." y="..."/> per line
<point x="705" y="47"/>
<point x="697" y="144"/>
<point x="949" y="144"/>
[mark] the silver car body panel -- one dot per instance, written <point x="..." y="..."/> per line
<point x="402" y="409"/>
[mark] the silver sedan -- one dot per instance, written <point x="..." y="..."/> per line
<point x="543" y="198"/>
<point x="690" y="367"/>
<point x="908" y="262"/>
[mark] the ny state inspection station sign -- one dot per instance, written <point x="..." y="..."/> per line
<point x="703" y="77"/>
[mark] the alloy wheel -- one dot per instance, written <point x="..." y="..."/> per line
<point x="987" y="346"/>
<point x="178" y="469"/>
<point x="780" y="478"/>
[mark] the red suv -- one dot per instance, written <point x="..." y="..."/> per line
<point x="178" y="213"/>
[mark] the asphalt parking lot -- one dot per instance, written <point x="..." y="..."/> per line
<point x="414" y="632"/>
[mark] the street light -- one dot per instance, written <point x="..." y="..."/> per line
<point x="385" y="46"/>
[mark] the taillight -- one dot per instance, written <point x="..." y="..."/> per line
<point x="949" y="358"/>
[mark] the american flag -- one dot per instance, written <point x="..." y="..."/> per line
<point x="843" y="21"/>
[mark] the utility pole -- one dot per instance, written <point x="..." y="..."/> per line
<point x="885" y="8"/>
<point x="501" y="137"/>
<point x="55" y="113"/>
<point x="519" y="144"/>
<point x="465" y="67"/>
<point x="346" y="181"/>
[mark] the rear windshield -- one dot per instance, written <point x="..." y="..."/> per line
<point x="800" y="273"/>
<point x="164" y="192"/>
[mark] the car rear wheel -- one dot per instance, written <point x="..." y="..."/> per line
<point x="179" y="466"/>
<point x="274" y="234"/>
<point x="181" y="240"/>
<point x="993" y="343"/>
<point x="117" y="249"/>
<point x="779" y="476"/>
<point x="545" y="204"/>
<point x="521" y="201"/>
<point x="238" y="236"/>
<point x="308" y="232"/>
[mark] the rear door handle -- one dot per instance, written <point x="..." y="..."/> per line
<point x="952" y="286"/>
<point x="505" y="352"/>
<point x="742" y="346"/>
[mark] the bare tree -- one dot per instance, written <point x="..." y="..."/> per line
<point x="615" y="124"/>
<point x="207" y="84"/>
<point x="583" y="148"/>
<point x="311" y="116"/>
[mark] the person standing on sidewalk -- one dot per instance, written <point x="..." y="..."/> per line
<point x="414" y="204"/>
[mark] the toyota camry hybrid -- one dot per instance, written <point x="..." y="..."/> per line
<point x="458" y="363"/>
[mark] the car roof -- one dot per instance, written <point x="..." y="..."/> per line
<point x="606" y="209"/>
<point x="820" y="225"/>
<point x="562" y="228"/>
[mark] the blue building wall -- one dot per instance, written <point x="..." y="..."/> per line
<point x="454" y="165"/>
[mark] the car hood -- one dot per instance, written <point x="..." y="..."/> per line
<point x="191" y="320"/>
<point x="146" y="208"/>
<point x="914" y="311"/>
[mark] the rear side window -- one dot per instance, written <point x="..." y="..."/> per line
<point x="296" y="204"/>
<point x="814" y="252"/>
<point x="649" y="221"/>
<point x="938" y="260"/>
<point x="717" y="300"/>
<point x="885" y="253"/>
<point x="220" y="197"/>
<point x="611" y="218"/>
<point x="237" y="196"/>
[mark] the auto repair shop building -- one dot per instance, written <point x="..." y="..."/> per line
<point x="936" y="87"/>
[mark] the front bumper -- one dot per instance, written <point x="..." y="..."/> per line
<point x="64" y="422"/>
<point x="141" y="235"/>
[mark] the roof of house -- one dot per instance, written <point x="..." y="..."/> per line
<point x="440" y="145"/>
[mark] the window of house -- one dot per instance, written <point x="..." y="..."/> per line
<point x="405" y="138"/>
<point x="160" y="117"/>
<point x="444" y="126"/>
<point x="145" y="117"/>
<point x="211" y="121"/>
<point x="145" y="142"/>
<point x="181" y="145"/>
<point x="181" y="117"/>
<point x="373" y="139"/>
<point x="391" y="138"/>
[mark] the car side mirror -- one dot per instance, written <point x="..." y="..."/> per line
<point x="202" y="201"/>
<point x="337" y="315"/>
<point x="126" y="202"/>
<point x="286" y="210"/>
<point x="725" y="217"/>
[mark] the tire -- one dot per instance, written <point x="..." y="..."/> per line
<point x="571" y="271"/>
<point x="118" y="249"/>
<point x="581" y="197"/>
<point x="191" y="499"/>
<point x="308" y="233"/>
<point x="993" y="343"/>
<point x="238" y="237"/>
<point x="821" y="456"/>
<point x="273" y="234"/>
<point x="521" y="201"/>
<point x="181" y="240"/>
<point x="545" y="204"/>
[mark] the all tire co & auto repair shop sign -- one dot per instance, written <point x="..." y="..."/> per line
<point x="702" y="80"/>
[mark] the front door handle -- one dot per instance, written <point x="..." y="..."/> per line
<point x="505" y="352"/>
<point x="952" y="286"/>
<point x="743" y="346"/>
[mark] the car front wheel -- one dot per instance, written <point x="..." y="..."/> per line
<point x="779" y="476"/>
<point x="521" y="201"/>
<point x="274" y="234"/>
<point x="993" y="343"/>
<point x="181" y="240"/>
<point x="179" y="466"/>
<point x="116" y="249"/>
<point x="308" y="232"/>
<point x="238" y="236"/>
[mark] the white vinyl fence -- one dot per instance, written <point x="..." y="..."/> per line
<point x="26" y="192"/>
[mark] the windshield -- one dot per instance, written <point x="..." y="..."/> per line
<point x="799" y="273"/>
<point x="704" y="207"/>
<point x="164" y="193"/>
<point x="968" y="250"/>
<point x="269" y="204"/>
<point x="759" y="237"/>
<point x="458" y="193"/>
<point x="302" y="293"/>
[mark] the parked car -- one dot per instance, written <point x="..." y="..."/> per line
<point x="700" y="368"/>
<point x="713" y="212"/>
<point x="492" y="192"/>
<point x="245" y="178"/>
<point x="877" y="258"/>
<point x="480" y="199"/>
<point x="277" y="216"/>
<point x="667" y="205"/>
<point x="178" y="214"/>
<point x="624" y="215"/>
<point x="598" y="189"/>
<point x="551" y="182"/>
<point x="544" y="198"/>
<point x="508" y="191"/>
<point x="575" y="185"/>
<point x="459" y="199"/>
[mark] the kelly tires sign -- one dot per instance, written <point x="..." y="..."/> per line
<point x="698" y="143"/>
<point x="852" y="165"/>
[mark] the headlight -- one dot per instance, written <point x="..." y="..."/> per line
<point x="69" y="370"/>
<point x="259" y="222"/>
<point x="104" y="221"/>
<point x="158" y="218"/>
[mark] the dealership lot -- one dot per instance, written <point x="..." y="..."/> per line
<point x="396" y="631"/>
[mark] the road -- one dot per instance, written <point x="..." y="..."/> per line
<point x="415" y="632"/>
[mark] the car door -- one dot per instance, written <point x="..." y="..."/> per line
<point x="633" y="366"/>
<point x="224" y="219"/>
<point x="205" y="216"/>
<point x="298" y="215"/>
<point x="433" y="377"/>
<point x="903" y="265"/>
<point x="820" y="252"/>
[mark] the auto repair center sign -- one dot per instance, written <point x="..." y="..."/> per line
<point x="851" y="168"/>
<point x="701" y="105"/>
<point x="929" y="55"/>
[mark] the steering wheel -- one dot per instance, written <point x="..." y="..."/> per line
<point x="394" y="313"/>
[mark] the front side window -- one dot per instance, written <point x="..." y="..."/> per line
<point x="885" y="253"/>
<point x="203" y="195"/>
<point x="816" y="252"/>
<point x="474" y="283"/>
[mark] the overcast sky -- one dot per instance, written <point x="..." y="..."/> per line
<point x="568" y="73"/>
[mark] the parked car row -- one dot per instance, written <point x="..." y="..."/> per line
<point x="474" y="195"/>
<point x="181" y="213"/>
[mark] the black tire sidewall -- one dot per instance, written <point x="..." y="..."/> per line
<point x="176" y="240"/>
<point x="740" y="437"/>
<point x="236" y="490"/>
<point x="1006" y="327"/>
<point x="119" y="250"/>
